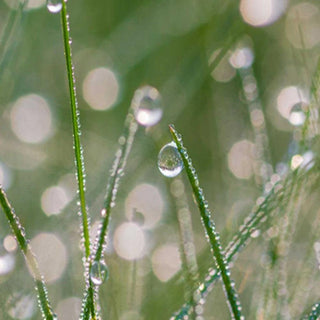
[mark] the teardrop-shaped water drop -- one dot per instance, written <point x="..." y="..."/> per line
<point x="170" y="162"/>
<point x="98" y="273"/>
<point x="54" y="6"/>
<point x="297" y="115"/>
<point x="147" y="103"/>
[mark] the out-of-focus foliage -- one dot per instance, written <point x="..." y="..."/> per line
<point x="241" y="120"/>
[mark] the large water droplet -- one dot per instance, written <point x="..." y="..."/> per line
<point x="54" y="6"/>
<point x="98" y="273"/>
<point x="170" y="162"/>
<point x="297" y="115"/>
<point x="148" y="106"/>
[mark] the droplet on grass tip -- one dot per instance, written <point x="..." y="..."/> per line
<point x="98" y="273"/>
<point x="297" y="115"/>
<point x="170" y="162"/>
<point x="54" y="6"/>
<point x="147" y="103"/>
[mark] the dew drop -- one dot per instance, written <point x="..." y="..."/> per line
<point x="170" y="162"/>
<point x="147" y="103"/>
<point x="54" y="6"/>
<point x="297" y="115"/>
<point x="98" y="273"/>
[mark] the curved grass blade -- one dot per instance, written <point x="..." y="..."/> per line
<point x="125" y="141"/>
<point x="78" y="150"/>
<point x="20" y="236"/>
<point x="213" y="235"/>
<point x="259" y="217"/>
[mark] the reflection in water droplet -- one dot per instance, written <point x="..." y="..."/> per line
<point x="148" y="106"/>
<point x="98" y="273"/>
<point x="54" y="6"/>
<point x="170" y="162"/>
<point x="297" y="115"/>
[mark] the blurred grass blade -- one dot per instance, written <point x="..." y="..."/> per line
<point x="213" y="236"/>
<point x="125" y="141"/>
<point x="8" y="34"/>
<point x="79" y="159"/>
<point x="187" y="246"/>
<point x="20" y="236"/>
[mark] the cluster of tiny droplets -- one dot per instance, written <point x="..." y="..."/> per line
<point x="211" y="233"/>
<point x="314" y="314"/>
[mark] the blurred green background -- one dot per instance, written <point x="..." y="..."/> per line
<point x="236" y="122"/>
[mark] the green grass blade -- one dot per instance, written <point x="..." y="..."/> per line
<point x="125" y="141"/>
<point x="78" y="150"/>
<point x="76" y="128"/>
<point x="20" y="236"/>
<point x="214" y="239"/>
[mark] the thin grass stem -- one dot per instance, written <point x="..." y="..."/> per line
<point x="31" y="260"/>
<point x="125" y="141"/>
<point x="213" y="235"/>
<point x="78" y="151"/>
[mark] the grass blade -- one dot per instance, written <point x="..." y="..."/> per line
<point x="187" y="247"/>
<point x="76" y="128"/>
<point x="79" y="159"/>
<point x="222" y="264"/>
<point x="125" y="141"/>
<point x="8" y="34"/>
<point x="20" y="236"/>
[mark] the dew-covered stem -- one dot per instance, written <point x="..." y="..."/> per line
<point x="125" y="141"/>
<point x="19" y="233"/>
<point x="79" y="159"/>
<point x="78" y="151"/>
<point x="209" y="225"/>
<point x="314" y="314"/>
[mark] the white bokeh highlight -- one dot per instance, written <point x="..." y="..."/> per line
<point x="166" y="262"/>
<point x="51" y="254"/>
<point x="129" y="241"/>
<point x="100" y="89"/>
<point x="31" y="119"/>
<point x="241" y="158"/>
<point x="146" y="199"/>
<point x="260" y="13"/>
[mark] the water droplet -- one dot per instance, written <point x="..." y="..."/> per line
<point x="147" y="104"/>
<point x="170" y="162"/>
<point x="54" y="6"/>
<point x="98" y="273"/>
<point x="297" y="115"/>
